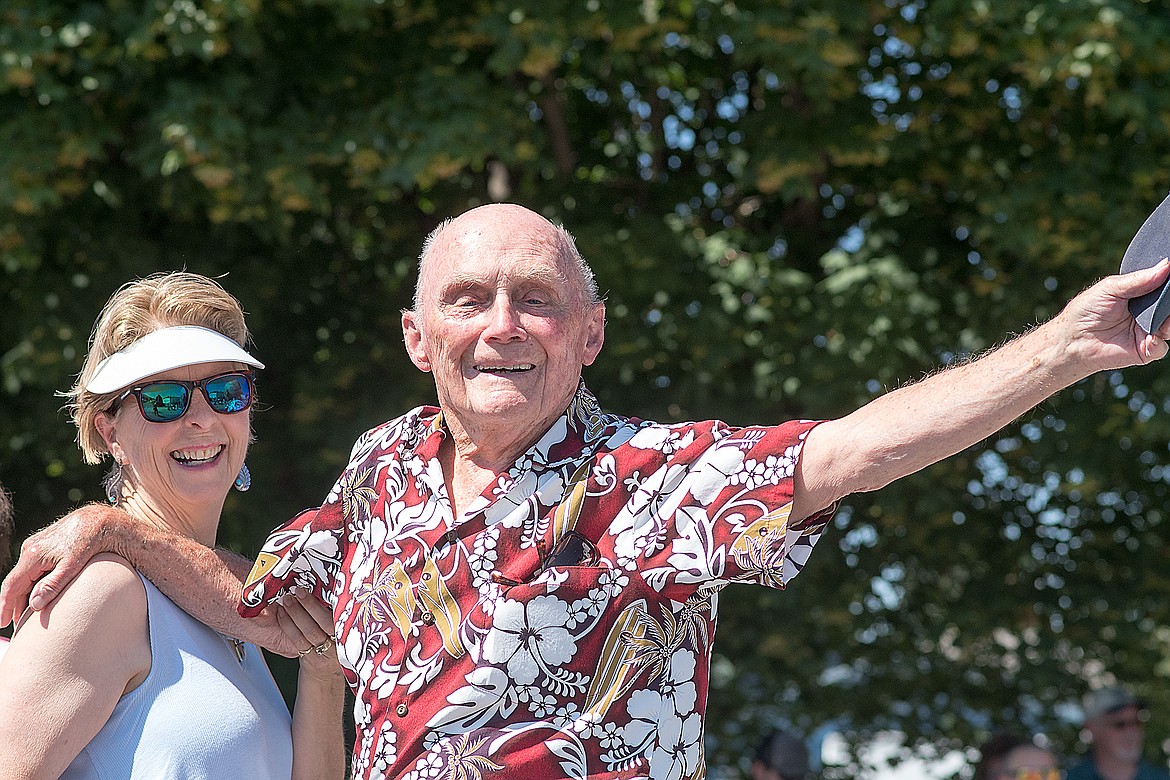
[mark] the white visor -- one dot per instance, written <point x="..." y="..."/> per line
<point x="162" y="350"/>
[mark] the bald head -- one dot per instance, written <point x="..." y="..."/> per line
<point x="517" y="226"/>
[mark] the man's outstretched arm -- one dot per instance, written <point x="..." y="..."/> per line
<point x="920" y="424"/>
<point x="205" y="583"/>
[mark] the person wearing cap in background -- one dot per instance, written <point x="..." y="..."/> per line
<point x="1115" y="729"/>
<point x="781" y="756"/>
<point x="114" y="680"/>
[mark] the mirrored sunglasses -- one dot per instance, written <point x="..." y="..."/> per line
<point x="168" y="400"/>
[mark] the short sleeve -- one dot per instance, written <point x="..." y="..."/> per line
<point x="717" y="508"/>
<point x="303" y="554"/>
<point x="751" y="518"/>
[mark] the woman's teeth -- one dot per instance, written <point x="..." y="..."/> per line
<point x="201" y="455"/>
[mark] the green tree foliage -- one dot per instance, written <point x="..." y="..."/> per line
<point x="793" y="207"/>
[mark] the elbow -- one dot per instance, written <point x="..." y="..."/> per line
<point x="866" y="475"/>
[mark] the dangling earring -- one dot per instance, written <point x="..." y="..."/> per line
<point x="113" y="484"/>
<point x="244" y="479"/>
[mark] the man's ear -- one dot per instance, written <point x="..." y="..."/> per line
<point x="108" y="429"/>
<point x="594" y="334"/>
<point x="413" y="338"/>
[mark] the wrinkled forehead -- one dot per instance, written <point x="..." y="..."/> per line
<point x="494" y="258"/>
<point x="517" y="278"/>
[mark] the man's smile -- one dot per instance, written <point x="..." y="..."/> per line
<point x="514" y="368"/>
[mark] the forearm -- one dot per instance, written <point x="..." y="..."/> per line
<point x="205" y="583"/>
<point x="318" y="737"/>
<point x="917" y="425"/>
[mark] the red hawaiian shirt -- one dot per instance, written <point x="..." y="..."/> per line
<point x="562" y="627"/>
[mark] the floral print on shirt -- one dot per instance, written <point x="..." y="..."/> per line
<point x="562" y="626"/>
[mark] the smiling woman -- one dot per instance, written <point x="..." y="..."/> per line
<point x="124" y="682"/>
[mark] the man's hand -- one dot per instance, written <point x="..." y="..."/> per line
<point x="53" y="556"/>
<point x="307" y="623"/>
<point x="1101" y="328"/>
<point x="917" y="425"/>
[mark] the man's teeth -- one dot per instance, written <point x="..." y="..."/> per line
<point x="201" y="455"/>
<point x="497" y="369"/>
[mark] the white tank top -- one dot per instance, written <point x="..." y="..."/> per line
<point x="200" y="714"/>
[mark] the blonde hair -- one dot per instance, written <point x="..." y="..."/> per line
<point x="138" y="308"/>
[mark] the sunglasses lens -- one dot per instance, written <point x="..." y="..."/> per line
<point x="163" y="401"/>
<point x="229" y="393"/>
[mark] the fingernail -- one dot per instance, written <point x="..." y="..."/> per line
<point x="36" y="601"/>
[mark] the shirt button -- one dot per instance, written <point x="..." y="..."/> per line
<point x="401" y="710"/>
<point x="428" y="618"/>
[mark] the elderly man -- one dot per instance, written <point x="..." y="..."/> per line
<point x="526" y="586"/>
<point x="1115" y="728"/>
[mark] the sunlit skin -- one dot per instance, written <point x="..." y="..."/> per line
<point x="505" y="326"/>
<point x="177" y="474"/>
<point x="503" y="323"/>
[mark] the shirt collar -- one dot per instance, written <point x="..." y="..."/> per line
<point x="571" y="437"/>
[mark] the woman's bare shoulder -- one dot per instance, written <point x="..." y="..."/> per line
<point x="106" y="597"/>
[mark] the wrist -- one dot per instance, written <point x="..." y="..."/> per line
<point x="102" y="528"/>
<point x="120" y="533"/>
<point x="324" y="673"/>
<point x="1055" y="358"/>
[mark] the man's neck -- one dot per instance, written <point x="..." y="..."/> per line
<point x="478" y="448"/>
<point x="465" y="479"/>
<point x="471" y="463"/>
<point x="494" y="442"/>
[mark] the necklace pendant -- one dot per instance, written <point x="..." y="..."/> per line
<point x="238" y="647"/>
